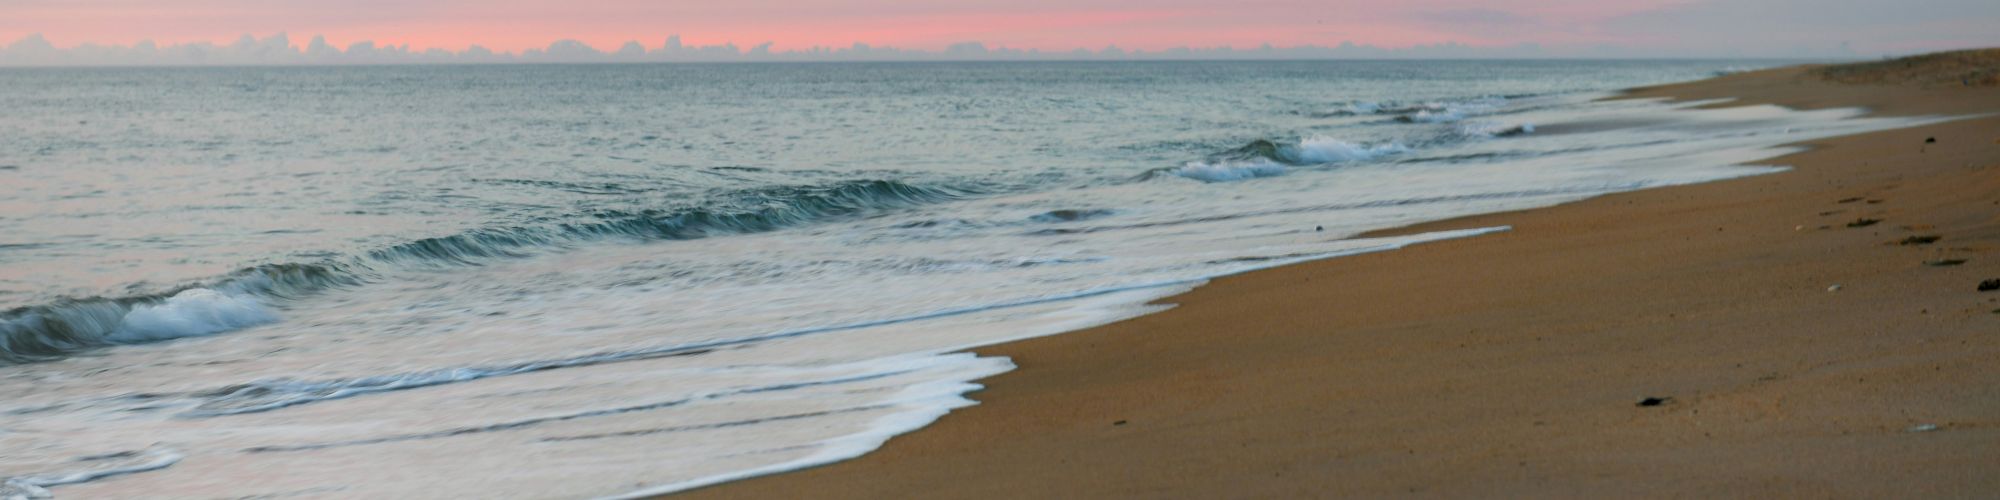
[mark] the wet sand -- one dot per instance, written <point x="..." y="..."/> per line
<point x="1796" y="355"/>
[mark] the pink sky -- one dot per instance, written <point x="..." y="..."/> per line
<point x="514" y="25"/>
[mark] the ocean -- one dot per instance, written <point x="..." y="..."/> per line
<point x="558" y="281"/>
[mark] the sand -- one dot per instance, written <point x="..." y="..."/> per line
<point x="1513" y="364"/>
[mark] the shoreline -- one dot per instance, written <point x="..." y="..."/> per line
<point x="1511" y="363"/>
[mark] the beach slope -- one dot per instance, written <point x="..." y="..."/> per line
<point x="1817" y="332"/>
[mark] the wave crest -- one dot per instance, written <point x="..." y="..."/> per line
<point x="1264" y="158"/>
<point x="1227" y="172"/>
<point x="245" y="298"/>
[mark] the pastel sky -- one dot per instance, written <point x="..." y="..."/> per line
<point x="1666" y="26"/>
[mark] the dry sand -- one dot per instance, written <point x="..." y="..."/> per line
<point x="1510" y="364"/>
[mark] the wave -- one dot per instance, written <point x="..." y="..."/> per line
<point x="1264" y="158"/>
<point x="1267" y="158"/>
<point x="750" y="211"/>
<point x="1315" y="150"/>
<point x="1321" y="149"/>
<point x="1424" y="111"/>
<point x="1228" y="172"/>
<point x="88" y="469"/>
<point x="235" y="301"/>
<point x="276" y="393"/>
<point x="1433" y="116"/>
<point x="247" y="297"/>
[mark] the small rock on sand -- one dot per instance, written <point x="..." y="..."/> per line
<point x="1989" y="285"/>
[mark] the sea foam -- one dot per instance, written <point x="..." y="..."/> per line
<point x="89" y="469"/>
<point x="192" y="312"/>
<point x="1268" y="160"/>
<point x="1322" y="149"/>
<point x="1230" y="171"/>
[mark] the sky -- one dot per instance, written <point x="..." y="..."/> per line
<point x="44" y="29"/>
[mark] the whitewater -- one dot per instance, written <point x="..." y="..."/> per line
<point x="620" y="280"/>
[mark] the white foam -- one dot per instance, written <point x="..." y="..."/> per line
<point x="1229" y="171"/>
<point x="99" y="467"/>
<point x="192" y="312"/>
<point x="1454" y="111"/>
<point x="1323" y="149"/>
<point x="1310" y="150"/>
<point x="919" y="404"/>
<point x="1442" y="116"/>
<point x="15" y="490"/>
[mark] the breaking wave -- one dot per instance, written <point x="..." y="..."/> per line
<point x="1445" y="110"/>
<point x="1227" y="172"/>
<point x="1264" y="158"/>
<point x="249" y="297"/>
<point x="238" y="300"/>
<point x="87" y="469"/>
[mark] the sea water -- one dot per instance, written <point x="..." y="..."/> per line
<point x="603" y="280"/>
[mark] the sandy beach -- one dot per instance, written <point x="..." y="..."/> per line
<point x="1813" y="333"/>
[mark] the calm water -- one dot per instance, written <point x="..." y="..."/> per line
<point x="573" y="281"/>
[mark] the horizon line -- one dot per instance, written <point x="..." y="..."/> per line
<point x="35" y="50"/>
<point x="1802" y="60"/>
